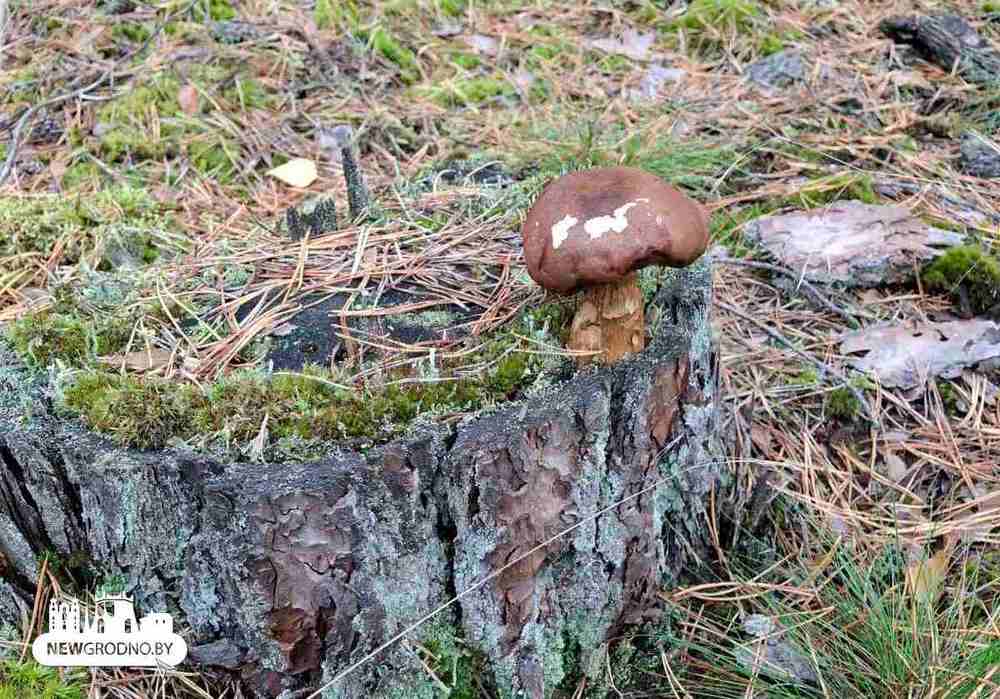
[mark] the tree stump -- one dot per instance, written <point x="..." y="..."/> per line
<point x="286" y="574"/>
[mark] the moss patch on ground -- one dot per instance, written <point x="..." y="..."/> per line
<point x="968" y="274"/>
<point x="121" y="221"/>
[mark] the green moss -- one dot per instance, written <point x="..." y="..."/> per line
<point x="213" y="10"/>
<point x="65" y="333"/>
<point x="615" y="65"/>
<point x="468" y="61"/>
<point x="452" y="8"/>
<point x="949" y="396"/>
<point x="452" y="661"/>
<point x="214" y="157"/>
<point x="248" y="93"/>
<point x="38" y="223"/>
<point x="842" y="403"/>
<point x="991" y="7"/>
<point x="131" y="31"/>
<point x="771" y="44"/>
<point x="82" y="172"/>
<point x="20" y="680"/>
<point x="719" y="15"/>
<point x="127" y="120"/>
<point x="143" y="413"/>
<point x="384" y="43"/>
<point x="806" y="377"/>
<point x="966" y="272"/>
<point x="299" y="409"/>
<point x="471" y="91"/>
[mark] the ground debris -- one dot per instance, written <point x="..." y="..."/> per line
<point x="851" y="243"/>
<point x="769" y="654"/>
<point x="907" y="354"/>
<point x="980" y="157"/>
<point x="949" y="41"/>
<point x="780" y="69"/>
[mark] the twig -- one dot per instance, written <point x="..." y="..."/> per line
<point x="774" y="334"/>
<point x="813" y="291"/>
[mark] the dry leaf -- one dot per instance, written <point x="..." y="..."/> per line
<point x="850" y="242"/>
<point x="284" y="329"/>
<point x="925" y="577"/>
<point x="58" y="167"/>
<point x="633" y="44"/>
<point x="895" y="467"/>
<point x="908" y="354"/>
<point x="140" y="361"/>
<point x="653" y="79"/>
<point x="486" y="45"/>
<point x="523" y="80"/>
<point x="298" y="172"/>
<point x="187" y="97"/>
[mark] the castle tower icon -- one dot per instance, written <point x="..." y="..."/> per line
<point x="114" y="614"/>
<point x="64" y="615"/>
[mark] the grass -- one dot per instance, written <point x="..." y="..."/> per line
<point x="29" y="680"/>
<point x="853" y="619"/>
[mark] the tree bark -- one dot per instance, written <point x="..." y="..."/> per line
<point x="949" y="41"/>
<point x="288" y="573"/>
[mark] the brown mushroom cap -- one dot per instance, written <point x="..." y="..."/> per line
<point x="595" y="226"/>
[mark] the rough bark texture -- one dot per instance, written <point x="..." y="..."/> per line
<point x="288" y="573"/>
<point x="950" y="42"/>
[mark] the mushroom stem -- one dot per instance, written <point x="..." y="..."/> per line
<point x="609" y="321"/>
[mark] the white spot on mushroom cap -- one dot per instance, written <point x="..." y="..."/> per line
<point x="560" y="231"/>
<point x="599" y="225"/>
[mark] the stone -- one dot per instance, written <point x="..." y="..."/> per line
<point x="979" y="156"/>
<point x="778" y="70"/>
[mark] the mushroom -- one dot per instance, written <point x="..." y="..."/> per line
<point x="593" y="230"/>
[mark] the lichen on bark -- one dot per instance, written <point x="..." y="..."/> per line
<point x="287" y="573"/>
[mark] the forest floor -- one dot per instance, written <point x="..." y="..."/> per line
<point x="860" y="555"/>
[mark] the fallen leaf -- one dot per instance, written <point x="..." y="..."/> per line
<point x="523" y="80"/>
<point x="284" y="329"/>
<point x="762" y="437"/>
<point x="298" y="172"/>
<point x="632" y="43"/>
<point x="907" y="354"/>
<point x="486" y="45"/>
<point x="925" y="577"/>
<point x="58" y="167"/>
<point x="895" y="467"/>
<point x="850" y="242"/>
<point x="187" y="97"/>
<point x="447" y="29"/>
<point x="653" y="80"/>
<point x="145" y="360"/>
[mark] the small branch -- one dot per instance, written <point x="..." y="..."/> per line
<point x="775" y="335"/>
<point x="813" y="291"/>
